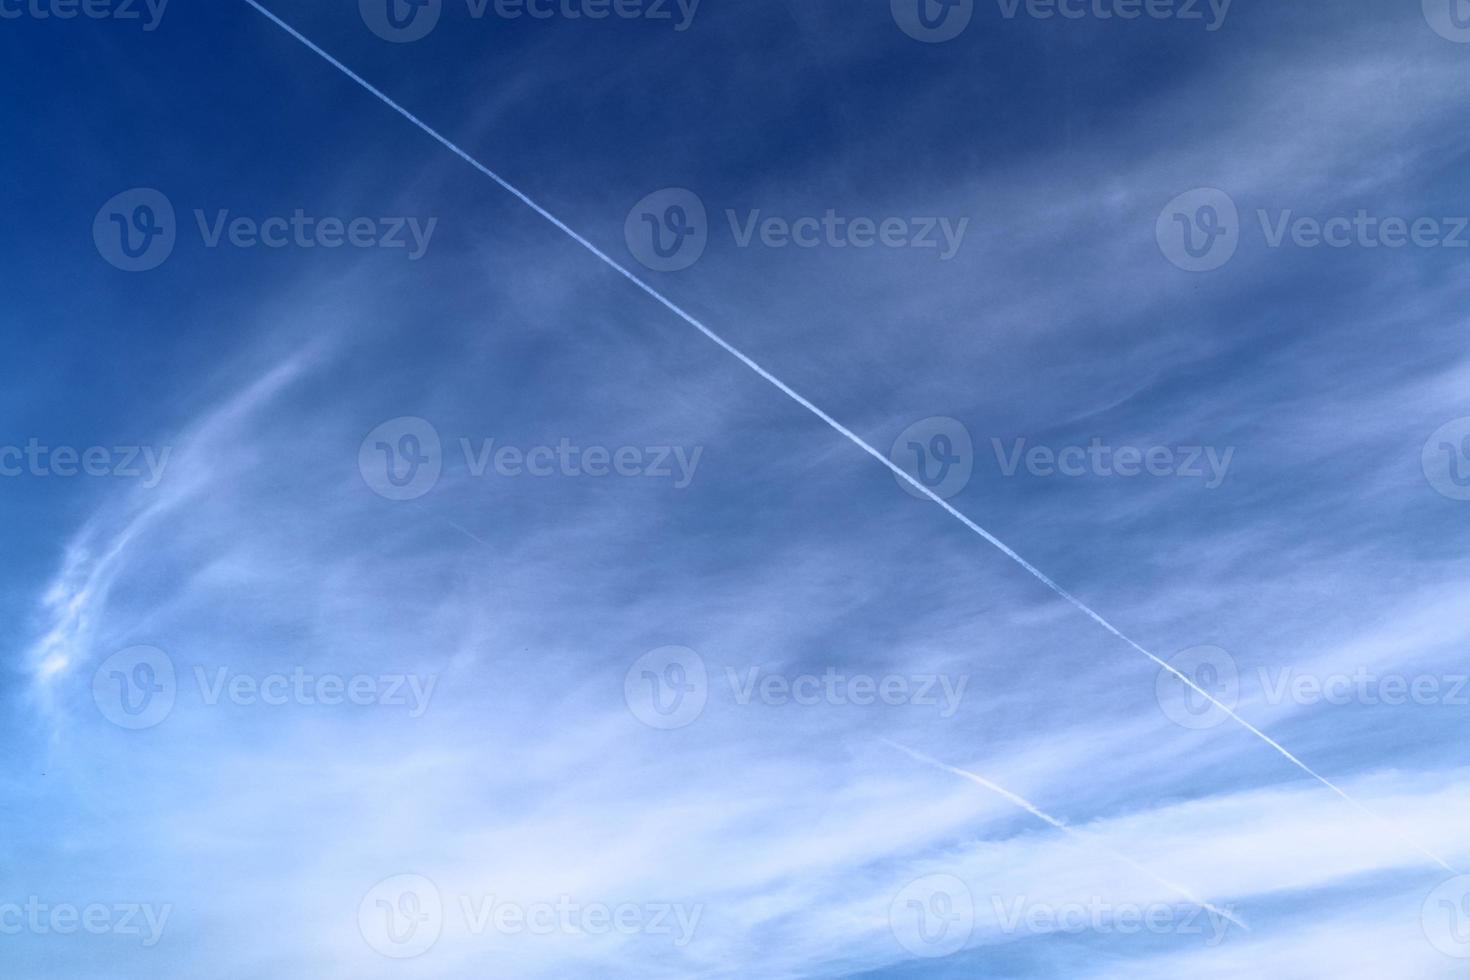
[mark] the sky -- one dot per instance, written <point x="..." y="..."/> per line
<point x="881" y="490"/>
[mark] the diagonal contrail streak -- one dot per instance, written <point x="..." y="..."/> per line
<point x="1045" y="817"/>
<point x="847" y="433"/>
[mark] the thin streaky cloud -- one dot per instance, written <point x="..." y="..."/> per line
<point x="837" y="426"/>
<point x="1042" y="815"/>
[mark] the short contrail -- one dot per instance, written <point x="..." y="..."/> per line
<point x="848" y="434"/>
<point x="1042" y="815"/>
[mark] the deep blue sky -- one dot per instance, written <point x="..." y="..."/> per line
<point x="1324" y="550"/>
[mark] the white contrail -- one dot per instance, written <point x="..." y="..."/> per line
<point x="801" y="400"/>
<point x="1040" y="814"/>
